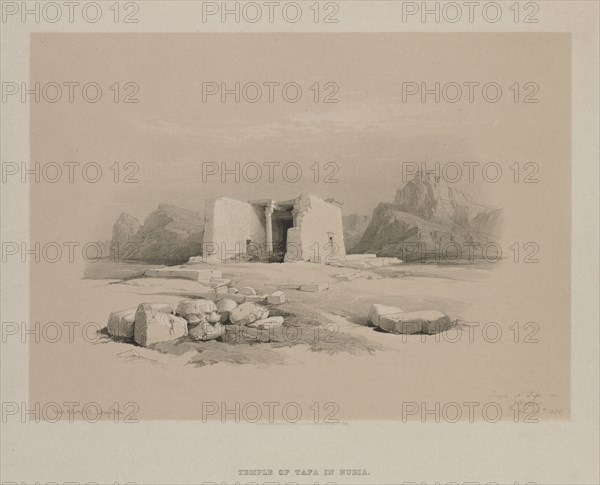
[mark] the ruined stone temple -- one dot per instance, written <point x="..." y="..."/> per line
<point x="306" y="228"/>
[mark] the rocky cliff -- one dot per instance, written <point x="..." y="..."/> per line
<point x="124" y="229"/>
<point x="430" y="220"/>
<point x="354" y="227"/>
<point x="169" y="235"/>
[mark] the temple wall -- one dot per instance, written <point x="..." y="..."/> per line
<point x="228" y="224"/>
<point x="309" y="240"/>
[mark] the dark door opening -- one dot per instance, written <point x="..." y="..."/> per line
<point x="282" y="221"/>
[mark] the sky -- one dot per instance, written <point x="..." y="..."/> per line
<point x="362" y="141"/>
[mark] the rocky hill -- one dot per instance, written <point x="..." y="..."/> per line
<point x="124" y="229"/>
<point x="427" y="217"/>
<point x="354" y="227"/>
<point x="169" y="235"/>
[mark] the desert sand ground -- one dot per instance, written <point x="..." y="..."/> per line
<point x="366" y="373"/>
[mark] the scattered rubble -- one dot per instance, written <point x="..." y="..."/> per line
<point x="204" y="321"/>
<point x="213" y="317"/>
<point x="224" y="308"/>
<point x="221" y="304"/>
<point x="247" y="313"/>
<point x="207" y="331"/>
<point x="213" y="284"/>
<point x="276" y="298"/>
<point x="185" y="273"/>
<point x="267" y="323"/>
<point x="238" y="298"/>
<point x="217" y="288"/>
<point x="189" y="308"/>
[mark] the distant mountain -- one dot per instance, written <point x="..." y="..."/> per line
<point x="124" y="229"/>
<point x="354" y="227"/>
<point x="169" y="235"/>
<point x="426" y="215"/>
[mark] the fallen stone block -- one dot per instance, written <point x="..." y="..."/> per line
<point x="276" y="298"/>
<point x="233" y="290"/>
<point x="195" y="319"/>
<point x="213" y="317"/>
<point x="247" y="290"/>
<point x="224" y="308"/>
<point x="163" y="307"/>
<point x="256" y="298"/>
<point x="221" y="290"/>
<point x="152" y="326"/>
<point x="120" y="324"/>
<point x="187" y="308"/>
<point x="314" y="286"/>
<point x="434" y="325"/>
<point x="266" y="323"/>
<point x="247" y="313"/>
<point x="289" y="286"/>
<point x="377" y="311"/>
<point x="429" y="322"/>
<point x="207" y="331"/>
<point x="188" y="274"/>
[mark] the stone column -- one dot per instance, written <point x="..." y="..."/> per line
<point x="269" y="208"/>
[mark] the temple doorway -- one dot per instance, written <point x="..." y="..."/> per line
<point x="282" y="220"/>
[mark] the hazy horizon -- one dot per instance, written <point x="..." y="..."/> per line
<point x="170" y="133"/>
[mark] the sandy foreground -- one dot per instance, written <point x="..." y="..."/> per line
<point x="469" y="372"/>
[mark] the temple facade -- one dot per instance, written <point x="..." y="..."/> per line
<point x="306" y="228"/>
